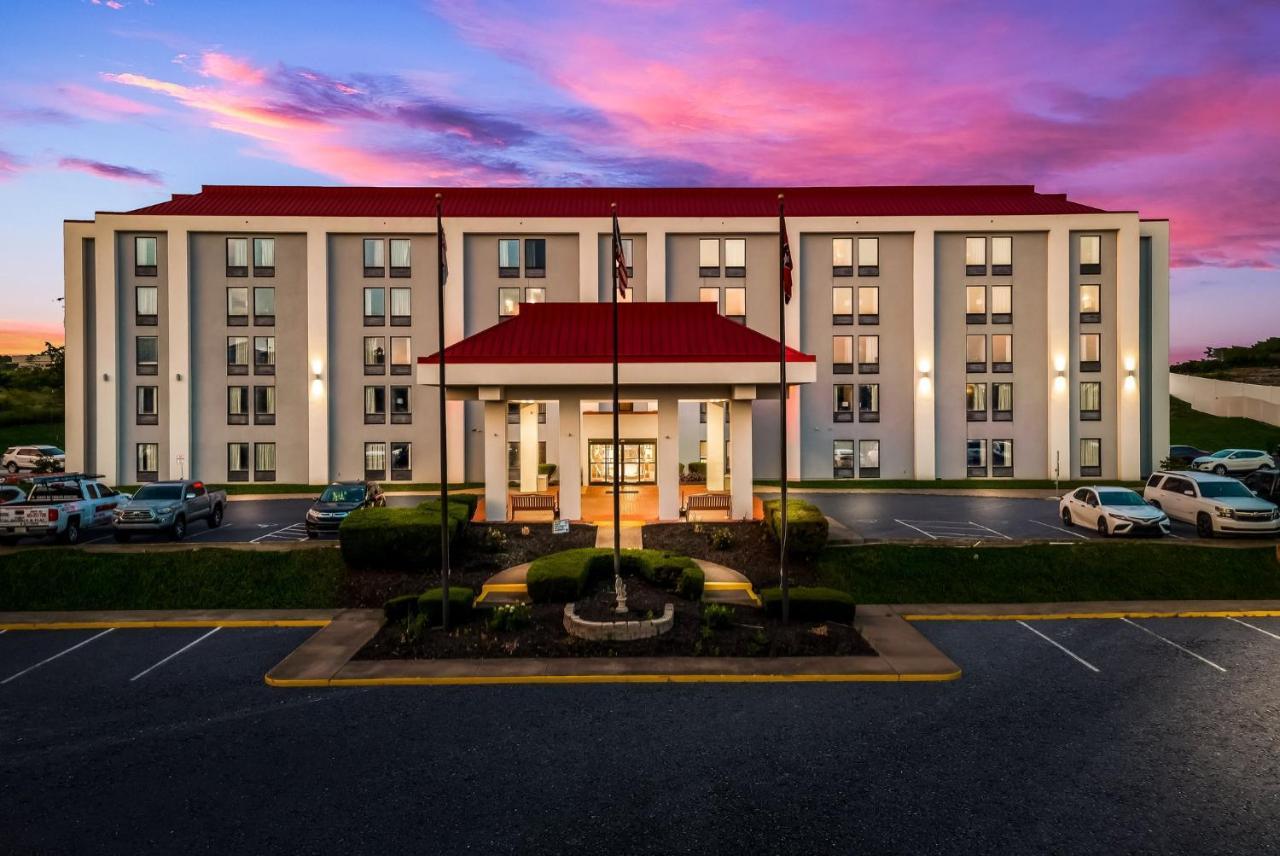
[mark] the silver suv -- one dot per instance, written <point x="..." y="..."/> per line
<point x="26" y="457"/>
<point x="1215" y="505"/>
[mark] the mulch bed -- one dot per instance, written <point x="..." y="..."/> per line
<point x="474" y="559"/>
<point x="751" y="550"/>
<point x="752" y="635"/>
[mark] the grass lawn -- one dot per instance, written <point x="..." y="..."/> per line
<point x="35" y="433"/>
<point x="1033" y="573"/>
<point x="1211" y="433"/>
<point x="263" y="488"/>
<point x="68" y="579"/>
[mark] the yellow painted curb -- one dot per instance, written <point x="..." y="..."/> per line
<point x="733" y="586"/>
<point x="145" y="625"/>
<point x="476" y="680"/>
<point x="1060" y="616"/>
<point x="505" y="588"/>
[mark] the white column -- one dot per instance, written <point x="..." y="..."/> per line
<point x="318" y="357"/>
<point x="655" y="243"/>
<point x="1159" y="391"/>
<point x="793" y="431"/>
<point x="791" y="412"/>
<point x="668" y="458"/>
<point x="589" y="263"/>
<point x="1128" y="345"/>
<point x="570" y="463"/>
<point x="715" y="445"/>
<point x="741" y="484"/>
<point x="178" y="329"/>
<point x="106" y="459"/>
<point x="495" y="460"/>
<point x="528" y="447"/>
<point x="922" y="312"/>
<point x="77" y="360"/>
<point x="1058" y="342"/>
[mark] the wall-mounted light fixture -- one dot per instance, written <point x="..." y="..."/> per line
<point x="316" y="368"/>
<point x="1060" y="379"/>
<point x="1130" y="382"/>
<point x="925" y="383"/>
<point x="178" y="376"/>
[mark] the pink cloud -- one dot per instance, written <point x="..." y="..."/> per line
<point x="9" y="165"/>
<point x="112" y="171"/>
<point x="231" y="69"/>
<point x="90" y="103"/>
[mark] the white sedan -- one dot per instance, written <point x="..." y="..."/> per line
<point x="1227" y="462"/>
<point x="1112" y="511"/>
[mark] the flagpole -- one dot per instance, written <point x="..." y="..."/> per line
<point x="617" y="445"/>
<point x="782" y="413"/>
<point x="444" y="423"/>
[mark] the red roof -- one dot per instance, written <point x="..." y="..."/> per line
<point x="647" y="333"/>
<point x="961" y="200"/>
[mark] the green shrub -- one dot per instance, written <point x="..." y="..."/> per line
<point x="806" y="526"/>
<point x="563" y="577"/>
<point x="457" y="503"/>
<point x="698" y="470"/>
<point x="491" y="540"/>
<point x="547" y="470"/>
<point x="401" y="608"/>
<point x="717" y="616"/>
<point x="461" y="600"/>
<point x="510" y="616"/>
<point x="404" y="539"/>
<point x="721" y="538"/>
<point x="691" y="583"/>
<point x="812" y="604"/>
<point x="560" y="577"/>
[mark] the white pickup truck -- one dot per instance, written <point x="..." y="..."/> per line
<point x="63" y="506"/>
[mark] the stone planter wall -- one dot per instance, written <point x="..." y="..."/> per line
<point x="618" y="631"/>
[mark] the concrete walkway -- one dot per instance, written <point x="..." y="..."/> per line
<point x="630" y="535"/>
<point x="725" y="585"/>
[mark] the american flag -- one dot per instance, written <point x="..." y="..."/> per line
<point x="444" y="249"/>
<point x="619" y="258"/>
<point x="786" y="256"/>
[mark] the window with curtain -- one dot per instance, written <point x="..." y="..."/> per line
<point x="264" y="400"/>
<point x="374" y="260"/>
<point x="975" y="349"/>
<point x="264" y="457"/>
<point x="735" y="257"/>
<point x="842" y="256"/>
<point x="1002" y="397"/>
<point x="869" y="458"/>
<point x="148" y="301"/>
<point x="1002" y="255"/>
<point x="975" y="300"/>
<point x="401" y="351"/>
<point x="1090" y="254"/>
<point x="148" y="460"/>
<point x="1001" y="302"/>
<point x="975" y="255"/>
<point x="868" y="401"/>
<point x="264" y="302"/>
<point x="400" y="303"/>
<point x="1090" y="348"/>
<point x="264" y="350"/>
<point x="237" y="457"/>
<point x="868" y="351"/>
<point x="536" y="294"/>
<point x="1090" y="397"/>
<point x="148" y="400"/>
<point x="400" y="254"/>
<point x="144" y="256"/>
<point x="535" y="256"/>
<point x="1091" y="303"/>
<point x="842" y="353"/>
<point x="842" y="459"/>
<point x="628" y="255"/>
<point x="735" y="303"/>
<point x="237" y="350"/>
<point x="868" y="303"/>
<point x="976" y="453"/>
<point x="508" y="257"/>
<point x="1001" y="348"/>
<point x="264" y="255"/>
<point x="975" y="397"/>
<point x="238" y="302"/>
<point x="147" y="354"/>
<point x="375" y="401"/>
<point x="508" y="302"/>
<point x="868" y="256"/>
<point x="843" y="394"/>
<point x="375" y="303"/>
<point x="375" y="457"/>
<point x="375" y="354"/>
<point x="842" y="305"/>
<point x="237" y="256"/>
<point x="709" y="295"/>
<point x="1002" y="454"/>
<point x="237" y="405"/>
<point x="1090" y="452"/>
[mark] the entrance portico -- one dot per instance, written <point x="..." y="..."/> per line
<point x="668" y="353"/>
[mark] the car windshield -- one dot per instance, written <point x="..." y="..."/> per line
<point x="154" y="492"/>
<point x="51" y="451"/>
<point x="1220" y="490"/>
<point x="1120" y="497"/>
<point x="343" y="493"/>
<point x="1222" y="454"/>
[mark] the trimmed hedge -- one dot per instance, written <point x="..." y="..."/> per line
<point x="457" y="501"/>
<point x="406" y="539"/>
<point x="565" y="576"/>
<point x="401" y="608"/>
<point x="461" y="603"/>
<point x="812" y="604"/>
<point x="806" y="526"/>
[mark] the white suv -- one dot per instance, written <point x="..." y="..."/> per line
<point x="1213" y="504"/>
<point x="1227" y="461"/>
<point x="25" y="457"/>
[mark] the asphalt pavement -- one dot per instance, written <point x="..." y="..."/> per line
<point x="1151" y="736"/>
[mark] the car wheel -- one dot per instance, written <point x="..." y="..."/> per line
<point x="1066" y="517"/>
<point x="178" y="530"/>
<point x="215" y="519"/>
<point x="11" y="467"/>
<point x="121" y="537"/>
<point x="1204" y="525"/>
<point x="1220" y="470"/>
<point x="1102" y="527"/>
<point x="71" y="535"/>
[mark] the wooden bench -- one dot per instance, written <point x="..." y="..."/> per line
<point x="535" y="502"/>
<point x="706" y="502"/>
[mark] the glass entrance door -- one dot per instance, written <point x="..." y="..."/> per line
<point x="639" y="461"/>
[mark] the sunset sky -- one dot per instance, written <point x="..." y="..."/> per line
<point x="1171" y="108"/>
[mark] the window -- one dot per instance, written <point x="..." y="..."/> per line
<point x="1090" y="254"/>
<point x="401" y="264"/>
<point x="146" y="359"/>
<point x="508" y="257"/>
<point x="1002" y="458"/>
<point x="375" y="460"/>
<point x="735" y="257"/>
<point x="1001" y="352"/>
<point x="1001" y="304"/>
<point x="264" y="355"/>
<point x="1090" y="456"/>
<point x="513" y="413"/>
<point x="868" y="402"/>
<point x="975" y="401"/>
<point x="375" y="405"/>
<point x="401" y="310"/>
<point x="148" y="461"/>
<point x="606" y="473"/>
<point x="868" y="257"/>
<point x="535" y="294"/>
<point x="401" y="411"/>
<point x="1002" y="402"/>
<point x="975" y="304"/>
<point x="237" y="462"/>
<point x="264" y="256"/>
<point x="146" y="305"/>
<point x="508" y="303"/>
<point x="868" y="304"/>
<point x="842" y="354"/>
<point x="375" y="307"/>
<point x="710" y="295"/>
<point x="535" y="257"/>
<point x="238" y="307"/>
<point x="735" y="304"/>
<point x="401" y="356"/>
<point x="237" y="256"/>
<point x="264" y="405"/>
<point x="709" y="257"/>
<point x="1090" y="352"/>
<point x="1091" y="304"/>
<point x="976" y="457"/>
<point x="869" y="459"/>
<point x="842" y="305"/>
<point x="842" y="460"/>
<point x="1002" y="256"/>
<point x="144" y="256"/>
<point x="975" y="256"/>
<point x="237" y="355"/>
<point x="264" y="461"/>
<point x="238" y="405"/>
<point x="148" y="411"/>
<point x="1090" y="401"/>
<point x="868" y="354"/>
<point x="375" y="355"/>
<point x="975" y="352"/>
<point x="842" y="256"/>
<point x="374" y="263"/>
<point x="264" y="306"/>
<point x="401" y="461"/>
<point x="628" y="257"/>
<point x="842" y="403"/>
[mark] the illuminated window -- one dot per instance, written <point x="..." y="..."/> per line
<point x="1002" y="256"/>
<point x="868" y="354"/>
<point x="508" y="302"/>
<point x="868" y="304"/>
<point x="842" y="256"/>
<point x="975" y="304"/>
<point x="842" y="354"/>
<point x="735" y="304"/>
<point x="508" y="257"/>
<point x="1090" y="254"/>
<point x="975" y="352"/>
<point x="842" y="305"/>
<point x="709" y="257"/>
<point x="975" y="256"/>
<point x="1001" y="352"/>
<point x="237" y="256"/>
<point x="144" y="256"/>
<point x="868" y="257"/>
<point x="374" y="260"/>
<point x="735" y="257"/>
<point x="1001" y="304"/>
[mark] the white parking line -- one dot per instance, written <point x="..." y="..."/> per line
<point x="1060" y="529"/>
<point x="186" y="647"/>
<point x="917" y="528"/>
<point x="1081" y="660"/>
<point x="56" y="656"/>
<point x="290" y="529"/>
<point x="1252" y="627"/>
<point x="1174" y="644"/>
<point x="992" y="531"/>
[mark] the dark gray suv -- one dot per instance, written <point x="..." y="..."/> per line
<point x="338" y="500"/>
